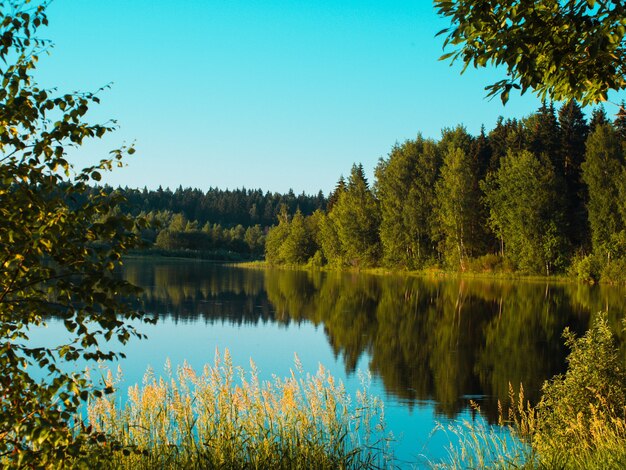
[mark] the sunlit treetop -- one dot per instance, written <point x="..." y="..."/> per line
<point x="561" y="50"/>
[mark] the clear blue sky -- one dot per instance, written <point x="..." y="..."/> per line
<point x="259" y="93"/>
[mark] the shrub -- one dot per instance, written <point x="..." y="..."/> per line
<point x="585" y="268"/>
<point x="590" y="395"/>
<point x="615" y="271"/>
<point x="579" y="423"/>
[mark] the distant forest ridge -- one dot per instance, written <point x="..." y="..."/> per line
<point x="228" y="225"/>
<point x="228" y="208"/>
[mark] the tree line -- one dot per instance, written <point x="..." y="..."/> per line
<point x="241" y="206"/>
<point x="540" y="195"/>
<point x="223" y="224"/>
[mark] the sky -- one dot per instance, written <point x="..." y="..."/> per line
<point x="260" y="93"/>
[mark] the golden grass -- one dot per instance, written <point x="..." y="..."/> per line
<point x="227" y="418"/>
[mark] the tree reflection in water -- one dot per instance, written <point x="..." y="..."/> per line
<point x="428" y="340"/>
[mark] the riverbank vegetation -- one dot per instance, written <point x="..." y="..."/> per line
<point x="541" y="195"/>
<point x="225" y="417"/>
<point x="579" y="422"/>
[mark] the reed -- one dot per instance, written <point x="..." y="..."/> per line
<point x="226" y="417"/>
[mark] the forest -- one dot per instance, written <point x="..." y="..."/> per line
<point x="219" y="224"/>
<point x="544" y="195"/>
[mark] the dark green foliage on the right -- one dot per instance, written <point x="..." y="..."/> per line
<point x="594" y="386"/>
<point x="603" y="173"/>
<point x="542" y="195"/>
<point x="526" y="212"/>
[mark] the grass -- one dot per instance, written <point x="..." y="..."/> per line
<point x="430" y="273"/>
<point x="225" y="417"/>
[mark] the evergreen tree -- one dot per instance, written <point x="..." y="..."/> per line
<point x="544" y="136"/>
<point x="481" y="153"/>
<point x="620" y="123"/>
<point x="506" y="135"/>
<point x="334" y="196"/>
<point x="598" y="118"/>
<point x="356" y="216"/>
<point x="574" y="131"/>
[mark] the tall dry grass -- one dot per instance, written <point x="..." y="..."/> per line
<point x="225" y="417"/>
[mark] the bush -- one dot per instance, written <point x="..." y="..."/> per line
<point x="615" y="271"/>
<point x="579" y="423"/>
<point x="489" y="263"/>
<point x="585" y="268"/>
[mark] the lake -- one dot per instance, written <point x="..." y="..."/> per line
<point x="430" y="345"/>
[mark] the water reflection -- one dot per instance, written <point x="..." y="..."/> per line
<point x="441" y="341"/>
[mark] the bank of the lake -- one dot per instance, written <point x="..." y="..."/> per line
<point x="429" y="273"/>
<point x="430" y="343"/>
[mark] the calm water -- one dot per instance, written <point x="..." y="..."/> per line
<point x="430" y="345"/>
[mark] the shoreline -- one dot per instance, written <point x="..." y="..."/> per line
<point x="424" y="273"/>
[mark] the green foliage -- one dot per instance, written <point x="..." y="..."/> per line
<point x="255" y="239"/>
<point x="59" y="244"/>
<point x="560" y="50"/>
<point x="581" y="411"/>
<point x="525" y="212"/>
<point x="181" y="236"/>
<point x="405" y="189"/>
<point x="489" y="263"/>
<point x="297" y="247"/>
<point x="602" y="171"/>
<point x="274" y="241"/>
<point x="329" y="241"/>
<point x="573" y="135"/>
<point x="614" y="271"/>
<point x="356" y="216"/>
<point x="457" y="208"/>
<point x="586" y="268"/>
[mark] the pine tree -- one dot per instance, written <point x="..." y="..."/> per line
<point x="620" y="123"/>
<point x="574" y="132"/>
<point x="544" y="136"/>
<point x="334" y="196"/>
<point x="506" y="135"/>
<point x="356" y="216"/>
<point x="598" y="117"/>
